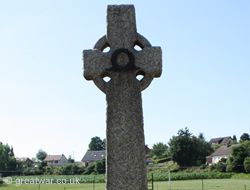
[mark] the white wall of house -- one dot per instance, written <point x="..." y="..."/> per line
<point x="86" y="164"/>
<point x="63" y="161"/>
<point x="216" y="159"/>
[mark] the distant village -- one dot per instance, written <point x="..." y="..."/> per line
<point x="93" y="156"/>
<point x="185" y="150"/>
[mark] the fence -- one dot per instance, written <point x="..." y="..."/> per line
<point x="201" y="184"/>
<point x="97" y="182"/>
<point x="151" y="185"/>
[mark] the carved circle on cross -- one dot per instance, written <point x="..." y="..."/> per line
<point x="129" y="65"/>
<point x="142" y="42"/>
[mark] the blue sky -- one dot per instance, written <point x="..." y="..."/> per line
<point x="46" y="103"/>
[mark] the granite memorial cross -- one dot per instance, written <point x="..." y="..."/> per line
<point x="125" y="162"/>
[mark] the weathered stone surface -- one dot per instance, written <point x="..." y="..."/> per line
<point x="126" y="167"/>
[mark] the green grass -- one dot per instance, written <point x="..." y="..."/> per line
<point x="208" y="184"/>
<point x="163" y="176"/>
<point x="158" y="176"/>
<point x="81" y="178"/>
<point x="241" y="176"/>
<point x="84" y="186"/>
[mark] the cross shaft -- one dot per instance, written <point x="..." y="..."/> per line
<point x="125" y="144"/>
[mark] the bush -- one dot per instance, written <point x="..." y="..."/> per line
<point x="163" y="176"/>
<point x="221" y="166"/>
<point x="241" y="176"/>
<point x="164" y="160"/>
<point x="203" y="166"/>
<point x="69" y="170"/>
<point x="32" y="171"/>
<point x="79" y="170"/>
<point x="236" y="160"/>
<point x="100" y="166"/>
<point x="247" y="164"/>
<point x="48" y="170"/>
<point x="199" y="162"/>
<point x="41" y="165"/>
<point x="89" y="169"/>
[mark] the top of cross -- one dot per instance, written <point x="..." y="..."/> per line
<point x="122" y="37"/>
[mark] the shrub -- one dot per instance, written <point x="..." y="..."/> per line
<point x="241" y="176"/>
<point x="79" y="169"/>
<point x="221" y="166"/>
<point x="48" y="170"/>
<point x="163" y="160"/>
<point x="100" y="167"/>
<point x="163" y="176"/>
<point x="236" y="160"/>
<point x="199" y="162"/>
<point x="247" y="164"/>
<point x="203" y="166"/>
<point x="41" y="165"/>
<point x="89" y="169"/>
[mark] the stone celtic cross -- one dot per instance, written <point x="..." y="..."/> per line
<point x="125" y="144"/>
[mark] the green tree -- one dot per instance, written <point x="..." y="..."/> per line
<point x="97" y="143"/>
<point x="158" y="150"/>
<point x="181" y="148"/>
<point x="41" y="155"/>
<point x="42" y="165"/>
<point x="247" y="145"/>
<point x="247" y="164"/>
<point x="188" y="150"/>
<point x="221" y="166"/>
<point x="203" y="149"/>
<point x="70" y="160"/>
<point x="90" y="169"/>
<point x="7" y="159"/>
<point x="244" y="137"/>
<point x="100" y="166"/>
<point x="234" y="138"/>
<point x="201" y="136"/>
<point x="27" y="164"/>
<point x="11" y="152"/>
<point x="235" y="161"/>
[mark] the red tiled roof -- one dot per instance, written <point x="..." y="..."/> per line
<point x="53" y="157"/>
<point x="219" y="140"/>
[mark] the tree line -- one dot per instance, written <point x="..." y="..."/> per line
<point x="7" y="157"/>
<point x="188" y="150"/>
<point x="184" y="149"/>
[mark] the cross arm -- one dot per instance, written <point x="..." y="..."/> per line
<point x="150" y="61"/>
<point x="95" y="63"/>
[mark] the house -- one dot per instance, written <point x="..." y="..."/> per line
<point x="24" y="159"/>
<point x="24" y="162"/>
<point x="220" y="140"/>
<point x="92" y="156"/>
<point x="147" y="150"/>
<point x="222" y="152"/>
<point x="56" y="160"/>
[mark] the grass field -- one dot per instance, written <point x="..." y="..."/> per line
<point x="208" y="184"/>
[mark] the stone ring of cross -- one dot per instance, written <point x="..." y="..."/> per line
<point x="134" y="64"/>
